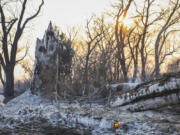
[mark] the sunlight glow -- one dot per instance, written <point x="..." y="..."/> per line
<point x="126" y="22"/>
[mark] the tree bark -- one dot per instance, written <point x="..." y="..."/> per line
<point x="157" y="68"/>
<point x="9" y="85"/>
<point x="86" y="74"/>
<point x="135" y="70"/>
<point x="143" y="63"/>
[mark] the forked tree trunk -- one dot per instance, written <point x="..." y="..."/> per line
<point x="9" y="48"/>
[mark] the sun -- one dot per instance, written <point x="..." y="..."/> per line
<point x="126" y="21"/>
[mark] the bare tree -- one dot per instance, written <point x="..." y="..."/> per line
<point x="8" y="56"/>
<point x="145" y="20"/>
<point x="166" y="29"/>
<point x="107" y="52"/>
<point x="93" y="38"/>
<point x="119" y="28"/>
<point x="134" y="39"/>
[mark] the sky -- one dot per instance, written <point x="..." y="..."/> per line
<point x="67" y="13"/>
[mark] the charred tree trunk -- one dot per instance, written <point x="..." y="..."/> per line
<point x="135" y="70"/>
<point x="157" y="69"/>
<point x="86" y="74"/>
<point x="123" y="67"/>
<point x="9" y="85"/>
<point x="157" y="93"/>
<point x="143" y="64"/>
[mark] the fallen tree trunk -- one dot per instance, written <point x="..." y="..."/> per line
<point x="157" y="93"/>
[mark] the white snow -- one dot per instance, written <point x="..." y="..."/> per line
<point x="2" y="99"/>
<point x="69" y="115"/>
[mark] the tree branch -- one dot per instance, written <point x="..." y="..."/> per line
<point x="33" y="16"/>
<point x="23" y="56"/>
<point x="2" y="62"/>
<point x="1" y="78"/>
<point x="11" y="23"/>
<point x="2" y="19"/>
<point x="4" y="41"/>
<point x="22" y="14"/>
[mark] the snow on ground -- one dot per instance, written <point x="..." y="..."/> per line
<point x="99" y="119"/>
